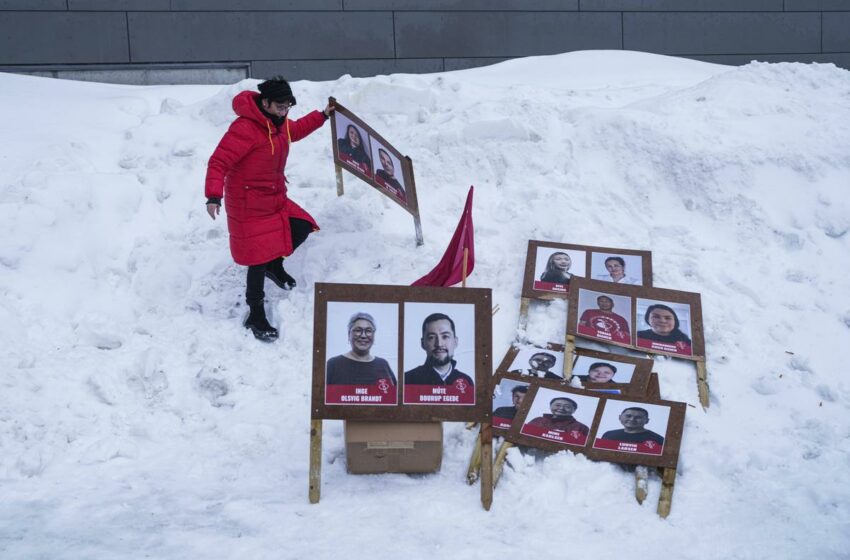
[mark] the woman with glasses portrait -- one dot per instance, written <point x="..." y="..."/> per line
<point x="247" y="171"/>
<point x="358" y="366"/>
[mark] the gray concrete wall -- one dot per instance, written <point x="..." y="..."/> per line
<point x="219" y="41"/>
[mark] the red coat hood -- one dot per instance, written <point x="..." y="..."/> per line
<point x="245" y="105"/>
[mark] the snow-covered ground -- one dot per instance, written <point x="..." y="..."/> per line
<point x="138" y="419"/>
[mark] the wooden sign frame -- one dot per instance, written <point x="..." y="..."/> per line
<point x="668" y="458"/>
<point x="410" y="201"/>
<point x="633" y="296"/>
<point x="530" y="291"/>
<point x="639" y="383"/>
<point x="480" y="300"/>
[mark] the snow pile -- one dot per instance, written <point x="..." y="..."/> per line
<point x="140" y="419"/>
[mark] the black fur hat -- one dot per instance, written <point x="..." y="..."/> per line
<point x="276" y="89"/>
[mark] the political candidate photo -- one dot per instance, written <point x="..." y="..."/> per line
<point x="560" y="417"/>
<point x="389" y="173"/>
<point x="605" y="317"/>
<point x="617" y="268"/>
<point x="596" y="370"/>
<point x="538" y="362"/>
<point x="666" y="327"/>
<point x="631" y="427"/>
<point x="507" y="397"/>
<point x="353" y="145"/>
<point x="362" y="350"/>
<point x="439" y="354"/>
<point x="554" y="268"/>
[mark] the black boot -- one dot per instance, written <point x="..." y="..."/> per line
<point x="258" y="323"/>
<point x="276" y="273"/>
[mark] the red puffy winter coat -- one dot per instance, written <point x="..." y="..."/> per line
<point x="247" y="169"/>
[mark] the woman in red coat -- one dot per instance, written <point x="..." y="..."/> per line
<point x="247" y="170"/>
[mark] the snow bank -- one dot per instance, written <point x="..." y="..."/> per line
<point x="140" y="419"/>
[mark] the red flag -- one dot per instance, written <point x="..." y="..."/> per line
<point x="449" y="270"/>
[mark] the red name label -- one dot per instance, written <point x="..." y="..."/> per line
<point x="682" y="348"/>
<point x="551" y="287"/>
<point x="381" y="393"/>
<point x="461" y="393"/>
<point x="572" y="437"/>
<point x="648" y="447"/>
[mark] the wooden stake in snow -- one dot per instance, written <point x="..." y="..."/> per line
<point x="315" y="461"/>
<point x="501" y="456"/>
<point x="702" y="383"/>
<point x="474" y="469"/>
<point x="665" y="501"/>
<point x="641" y="483"/>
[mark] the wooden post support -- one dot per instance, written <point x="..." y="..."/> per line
<point x="474" y="462"/>
<point x="417" y="223"/>
<point x="315" y="461"/>
<point x="486" y="466"/>
<point x="665" y="501"/>
<point x="641" y="483"/>
<point x="339" y="188"/>
<point x="500" y="461"/>
<point x="569" y="350"/>
<point x="702" y="383"/>
<point x="523" y="313"/>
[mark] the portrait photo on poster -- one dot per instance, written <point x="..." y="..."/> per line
<point x="559" y="416"/>
<point x="604" y="316"/>
<point x="664" y="326"/>
<point x="590" y="369"/>
<point x="538" y="362"/>
<point x="439" y="354"/>
<point x="389" y="173"/>
<point x="353" y="145"/>
<point x="632" y="427"/>
<point x="362" y="351"/>
<point x="507" y="397"/>
<point x="617" y="268"/>
<point x="554" y="267"/>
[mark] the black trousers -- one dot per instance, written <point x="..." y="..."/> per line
<point x="254" y="292"/>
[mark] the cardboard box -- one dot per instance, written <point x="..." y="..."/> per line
<point x="393" y="447"/>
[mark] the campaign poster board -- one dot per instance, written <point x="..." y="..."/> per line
<point x="649" y="320"/>
<point x="615" y="374"/>
<point x="535" y="361"/>
<point x="618" y="429"/>
<point x="402" y="353"/>
<point x="367" y="155"/>
<point x="508" y="394"/>
<point x="550" y="267"/>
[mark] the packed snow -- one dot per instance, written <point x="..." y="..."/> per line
<point x="139" y="419"/>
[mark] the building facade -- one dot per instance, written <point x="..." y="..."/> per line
<point x="222" y="41"/>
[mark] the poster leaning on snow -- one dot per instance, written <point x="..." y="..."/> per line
<point x="650" y="320"/>
<point x="619" y="429"/>
<point x="550" y="267"/>
<point x="360" y="150"/>
<point x="400" y="353"/>
<point x="599" y="372"/>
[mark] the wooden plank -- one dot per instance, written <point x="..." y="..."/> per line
<point x="339" y="188"/>
<point x="702" y="384"/>
<point x="569" y="351"/>
<point x="501" y="456"/>
<point x="474" y="462"/>
<point x="315" y="461"/>
<point x="641" y="483"/>
<point x="486" y="466"/>
<point x="665" y="501"/>
<point x="523" y="314"/>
